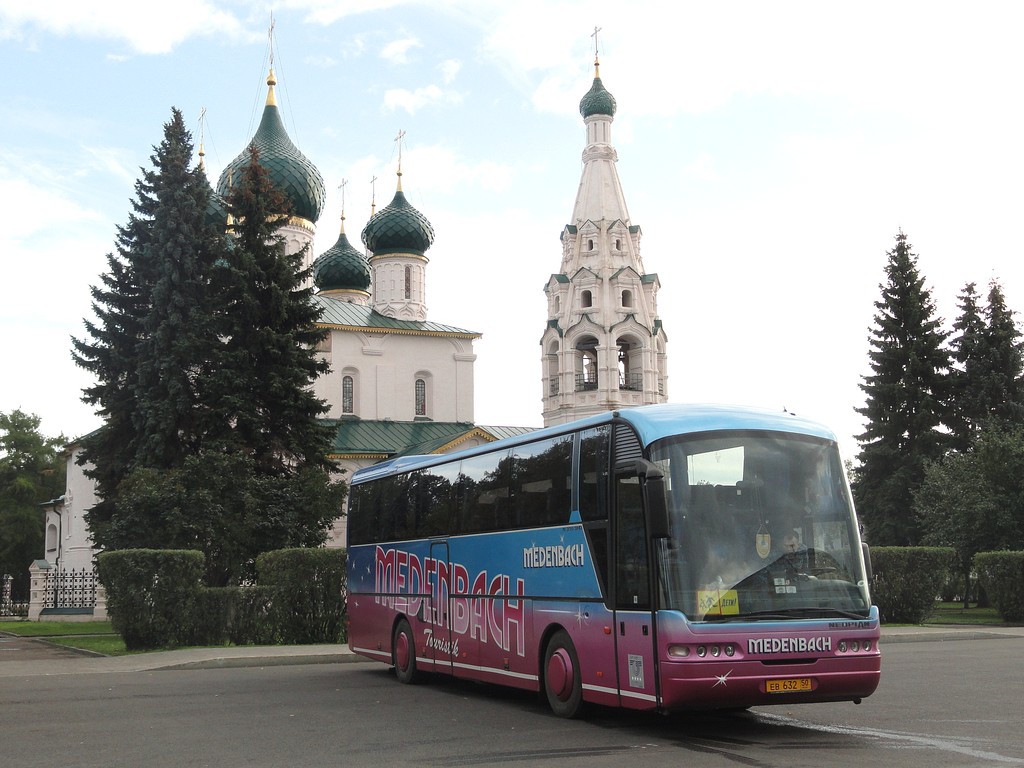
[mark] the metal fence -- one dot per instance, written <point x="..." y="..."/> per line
<point x="70" y="588"/>
<point x="9" y="607"/>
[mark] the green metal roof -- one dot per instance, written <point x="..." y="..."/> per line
<point x="386" y="439"/>
<point x="597" y="101"/>
<point x="344" y="314"/>
<point x="341" y="266"/>
<point x="289" y="169"/>
<point x="398" y="228"/>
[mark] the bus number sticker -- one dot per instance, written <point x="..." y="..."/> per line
<point x="636" y="671"/>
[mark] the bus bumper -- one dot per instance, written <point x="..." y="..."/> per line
<point x="739" y="684"/>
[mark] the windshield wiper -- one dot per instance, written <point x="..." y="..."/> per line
<point x="783" y="614"/>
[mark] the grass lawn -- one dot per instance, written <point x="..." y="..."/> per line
<point x="108" y="645"/>
<point x="955" y="613"/>
<point x="56" y="628"/>
<point x="96" y="636"/>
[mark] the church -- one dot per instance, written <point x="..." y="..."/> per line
<point x="400" y="383"/>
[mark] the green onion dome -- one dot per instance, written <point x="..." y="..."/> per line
<point x="597" y="101"/>
<point x="341" y="267"/>
<point x="398" y="228"/>
<point x="216" y="210"/>
<point x="289" y="169"/>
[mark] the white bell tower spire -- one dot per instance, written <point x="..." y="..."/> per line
<point x="603" y="346"/>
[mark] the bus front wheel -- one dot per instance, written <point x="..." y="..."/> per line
<point x="404" y="653"/>
<point x="562" y="682"/>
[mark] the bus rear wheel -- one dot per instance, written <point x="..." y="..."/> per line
<point x="562" y="682"/>
<point x="403" y="654"/>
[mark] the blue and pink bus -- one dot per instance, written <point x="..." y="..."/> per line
<point x="663" y="557"/>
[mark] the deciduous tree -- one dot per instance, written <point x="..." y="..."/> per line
<point x="31" y="472"/>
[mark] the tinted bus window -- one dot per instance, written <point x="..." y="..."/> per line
<point x="541" y="483"/>
<point x="594" y="474"/>
<point x="434" y="499"/>
<point x="484" y="482"/>
<point x="592" y="495"/>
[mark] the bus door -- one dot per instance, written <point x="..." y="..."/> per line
<point x="437" y="625"/>
<point x="634" y="618"/>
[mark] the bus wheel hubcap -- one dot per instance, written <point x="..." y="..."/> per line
<point x="560" y="674"/>
<point x="402" y="651"/>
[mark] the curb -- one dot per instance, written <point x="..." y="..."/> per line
<point x="236" y="662"/>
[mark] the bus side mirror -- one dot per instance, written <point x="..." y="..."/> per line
<point x="652" y="480"/>
<point x="657" y="508"/>
<point x="867" y="559"/>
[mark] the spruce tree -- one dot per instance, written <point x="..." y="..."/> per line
<point x="177" y="351"/>
<point x="905" y="401"/>
<point x="967" y="345"/>
<point x="109" y="351"/>
<point x="152" y="342"/>
<point x="268" y="359"/>
<point x="205" y="352"/>
<point x="1003" y="386"/>
<point x="986" y="382"/>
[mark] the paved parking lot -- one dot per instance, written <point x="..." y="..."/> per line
<point x="14" y="648"/>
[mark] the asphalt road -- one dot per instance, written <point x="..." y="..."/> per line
<point x="941" y="703"/>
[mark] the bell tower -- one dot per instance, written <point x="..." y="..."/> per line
<point x="604" y="346"/>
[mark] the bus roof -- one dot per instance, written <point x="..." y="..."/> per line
<point x="651" y="422"/>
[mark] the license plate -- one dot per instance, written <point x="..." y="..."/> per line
<point x="788" y="685"/>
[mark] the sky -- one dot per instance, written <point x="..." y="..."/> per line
<point x="770" y="153"/>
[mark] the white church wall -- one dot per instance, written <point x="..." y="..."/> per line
<point x="384" y="368"/>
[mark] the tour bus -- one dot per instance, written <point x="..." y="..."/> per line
<point x="664" y="557"/>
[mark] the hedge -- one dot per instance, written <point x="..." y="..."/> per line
<point x="151" y="595"/>
<point x="907" y="580"/>
<point x="156" y="599"/>
<point x="1002" y="576"/>
<point x="311" y="603"/>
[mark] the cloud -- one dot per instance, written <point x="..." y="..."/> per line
<point x="449" y="69"/>
<point x="37" y="208"/>
<point x="397" y="51"/>
<point x="326" y="12"/>
<point x="411" y="101"/>
<point x="147" y="28"/>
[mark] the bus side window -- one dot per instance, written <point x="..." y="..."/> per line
<point x="592" y="495"/>
<point x="541" y="483"/>
<point x="632" y="590"/>
<point x="485" y="493"/>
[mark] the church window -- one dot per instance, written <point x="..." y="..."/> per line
<point x="586" y="299"/>
<point x="421" y="397"/>
<point x="552" y="362"/>
<point x="347" y="395"/>
<point x="558" y="304"/>
<point x="586" y="364"/>
<point x="590" y="245"/>
<point x="618" y="244"/>
<point x="408" y="282"/>
<point x="631" y="375"/>
<point x="627" y="298"/>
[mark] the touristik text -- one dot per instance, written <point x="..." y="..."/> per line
<point x="424" y="587"/>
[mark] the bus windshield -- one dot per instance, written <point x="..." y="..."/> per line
<point x="762" y="528"/>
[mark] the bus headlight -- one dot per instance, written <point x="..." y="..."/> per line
<point x="679" y="651"/>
